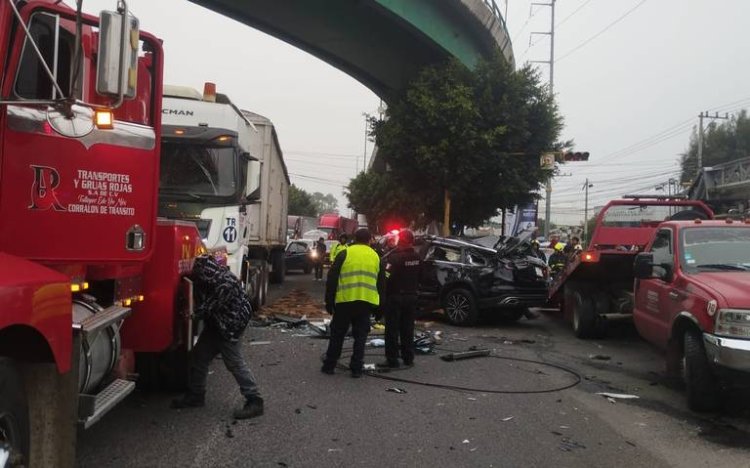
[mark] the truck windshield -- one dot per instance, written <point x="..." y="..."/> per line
<point x="198" y="170"/>
<point x="715" y="248"/>
<point x="623" y="216"/>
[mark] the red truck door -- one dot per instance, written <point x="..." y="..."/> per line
<point x="656" y="298"/>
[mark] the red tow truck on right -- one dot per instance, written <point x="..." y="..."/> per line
<point x="692" y="299"/>
<point x="682" y="276"/>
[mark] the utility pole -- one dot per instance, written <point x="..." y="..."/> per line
<point x="551" y="63"/>
<point x="364" y="154"/>
<point x="701" y="116"/>
<point x="586" y="187"/>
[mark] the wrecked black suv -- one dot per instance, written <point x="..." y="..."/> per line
<point x="469" y="280"/>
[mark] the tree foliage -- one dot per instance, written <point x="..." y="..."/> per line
<point x="324" y="203"/>
<point x="300" y="202"/>
<point x="722" y="142"/>
<point x="477" y="134"/>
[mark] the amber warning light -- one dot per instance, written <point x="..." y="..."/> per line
<point x="104" y="119"/>
<point x="590" y="257"/>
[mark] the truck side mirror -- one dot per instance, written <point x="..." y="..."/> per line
<point x="117" y="67"/>
<point x="643" y="268"/>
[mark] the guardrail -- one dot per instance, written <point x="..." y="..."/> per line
<point x="492" y="5"/>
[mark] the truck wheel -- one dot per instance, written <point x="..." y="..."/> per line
<point x="264" y="284"/>
<point x="584" y="315"/>
<point x="167" y="371"/>
<point x="703" y="392"/>
<point x="14" y="414"/>
<point x="277" y="260"/>
<point x="460" y="307"/>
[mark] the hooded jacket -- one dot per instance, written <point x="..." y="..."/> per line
<point x="220" y="298"/>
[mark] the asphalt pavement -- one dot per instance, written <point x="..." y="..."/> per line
<point x="507" y="410"/>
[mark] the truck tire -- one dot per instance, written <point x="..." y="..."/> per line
<point x="277" y="261"/>
<point x="703" y="391"/>
<point x="14" y="413"/>
<point x="264" y="284"/>
<point x="460" y="307"/>
<point x="584" y="315"/>
<point x="167" y="371"/>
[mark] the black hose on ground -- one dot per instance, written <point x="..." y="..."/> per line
<point x="382" y="376"/>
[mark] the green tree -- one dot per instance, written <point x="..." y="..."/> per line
<point x="300" y="202"/>
<point x="325" y="203"/>
<point x="722" y="142"/>
<point x="476" y="135"/>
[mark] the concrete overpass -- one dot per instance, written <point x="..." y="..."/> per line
<point x="381" y="43"/>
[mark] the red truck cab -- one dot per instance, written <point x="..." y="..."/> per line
<point x="692" y="299"/>
<point x="334" y="225"/>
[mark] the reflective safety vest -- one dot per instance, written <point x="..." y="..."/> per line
<point x="337" y="249"/>
<point x="358" y="279"/>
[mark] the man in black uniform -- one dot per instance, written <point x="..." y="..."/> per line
<point x="402" y="268"/>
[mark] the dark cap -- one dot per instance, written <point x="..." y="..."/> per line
<point x="406" y="238"/>
<point x="362" y="236"/>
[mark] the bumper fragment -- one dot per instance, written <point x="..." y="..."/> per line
<point x="730" y="353"/>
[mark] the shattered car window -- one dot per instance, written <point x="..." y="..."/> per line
<point x="443" y="254"/>
<point x="476" y="259"/>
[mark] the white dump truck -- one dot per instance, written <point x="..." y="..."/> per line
<point x="222" y="168"/>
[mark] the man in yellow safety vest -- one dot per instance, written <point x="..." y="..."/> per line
<point x="338" y="248"/>
<point x="354" y="290"/>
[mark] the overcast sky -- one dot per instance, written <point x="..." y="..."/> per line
<point x="629" y="96"/>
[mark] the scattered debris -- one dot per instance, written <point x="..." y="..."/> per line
<point x="376" y="343"/>
<point x="258" y="343"/>
<point x="564" y="427"/>
<point x="472" y="399"/>
<point x="473" y="450"/>
<point x="600" y="357"/>
<point x="229" y="433"/>
<point x="568" y="445"/>
<point x="556" y="433"/>
<point x="334" y="450"/>
<point x="465" y="355"/>
<point x="395" y="390"/>
<point x="509" y="418"/>
<point x="297" y="411"/>
<point x="370" y="367"/>
<point x="425" y="342"/>
<point x="620" y="396"/>
<point x="630" y="443"/>
<point x="466" y="441"/>
<point x="312" y="406"/>
<point x="297" y="303"/>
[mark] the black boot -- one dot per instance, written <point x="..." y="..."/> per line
<point x="189" y="400"/>
<point x="253" y="408"/>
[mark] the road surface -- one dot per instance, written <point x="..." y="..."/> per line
<point x="312" y="419"/>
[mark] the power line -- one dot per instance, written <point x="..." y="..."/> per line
<point x="573" y="14"/>
<point x="610" y="25"/>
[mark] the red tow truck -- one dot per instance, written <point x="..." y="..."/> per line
<point x="596" y="284"/>
<point x="692" y="299"/>
<point x="91" y="284"/>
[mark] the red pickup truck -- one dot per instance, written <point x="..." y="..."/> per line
<point x="692" y="299"/>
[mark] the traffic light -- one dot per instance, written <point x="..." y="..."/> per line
<point x="575" y="156"/>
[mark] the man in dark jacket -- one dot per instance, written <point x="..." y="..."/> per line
<point x="225" y="309"/>
<point x="402" y="269"/>
<point x="320" y="254"/>
<point x="353" y="291"/>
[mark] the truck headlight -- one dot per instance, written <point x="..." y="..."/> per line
<point x="314" y="254"/>
<point x="733" y="323"/>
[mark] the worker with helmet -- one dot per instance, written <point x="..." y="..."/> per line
<point x="558" y="258"/>
<point x="402" y="269"/>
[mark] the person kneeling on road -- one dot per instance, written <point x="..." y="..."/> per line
<point x="225" y="308"/>
<point x="402" y="267"/>
<point x="353" y="291"/>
